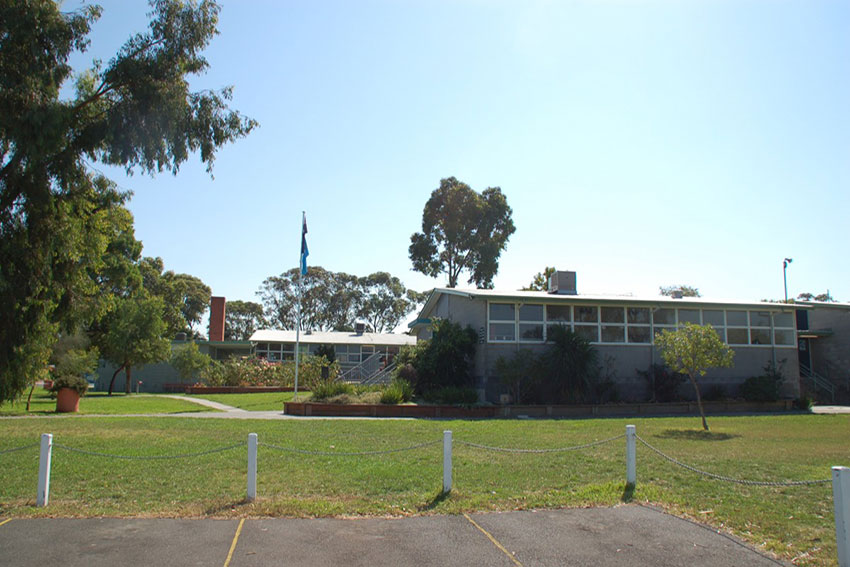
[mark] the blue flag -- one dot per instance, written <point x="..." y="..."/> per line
<point x="304" y="251"/>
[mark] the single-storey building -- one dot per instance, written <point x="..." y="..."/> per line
<point x="622" y="328"/>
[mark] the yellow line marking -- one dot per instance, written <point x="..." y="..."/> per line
<point x="233" y="545"/>
<point x="492" y="539"/>
<point x="6" y="521"/>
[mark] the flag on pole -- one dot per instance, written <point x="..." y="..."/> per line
<point x="304" y="251"/>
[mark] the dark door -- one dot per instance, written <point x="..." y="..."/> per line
<point x="804" y="354"/>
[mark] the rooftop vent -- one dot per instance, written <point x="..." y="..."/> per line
<point x="563" y="283"/>
<point x="676" y="294"/>
<point x="359" y="328"/>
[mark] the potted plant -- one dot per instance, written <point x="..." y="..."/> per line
<point x="69" y="389"/>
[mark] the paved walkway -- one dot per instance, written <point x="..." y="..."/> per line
<point x="628" y="536"/>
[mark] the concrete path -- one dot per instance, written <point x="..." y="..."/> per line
<point x="627" y="536"/>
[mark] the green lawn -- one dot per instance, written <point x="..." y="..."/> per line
<point x="795" y="522"/>
<point x="263" y="401"/>
<point x="100" y="403"/>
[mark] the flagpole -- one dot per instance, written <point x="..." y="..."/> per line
<point x="302" y="267"/>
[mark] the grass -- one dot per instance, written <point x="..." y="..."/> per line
<point x="257" y="401"/>
<point x="794" y="522"/>
<point x="100" y="403"/>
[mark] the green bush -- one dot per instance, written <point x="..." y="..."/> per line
<point x="259" y="372"/>
<point x="662" y="383"/>
<point x="445" y="359"/>
<point x="764" y="388"/>
<point x="398" y="392"/>
<point x="452" y="395"/>
<point x="76" y="383"/>
<point x="323" y="390"/>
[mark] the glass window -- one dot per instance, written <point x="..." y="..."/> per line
<point x="613" y="333"/>
<point x="502" y="311"/>
<point x="759" y="336"/>
<point x="737" y="336"/>
<point x="638" y="334"/>
<point x="558" y="313"/>
<point x="689" y="316"/>
<point x="588" y="332"/>
<point x="531" y="332"/>
<point x="664" y="316"/>
<point x="736" y="318"/>
<point x="721" y="332"/>
<point x="586" y="314"/>
<point x="531" y="313"/>
<point x="783" y="337"/>
<point x="759" y="319"/>
<point x="612" y="315"/>
<point x="713" y="317"/>
<point x="551" y="326"/>
<point x="263" y="346"/>
<point x="638" y="315"/>
<point x="502" y="332"/>
<point x="783" y="320"/>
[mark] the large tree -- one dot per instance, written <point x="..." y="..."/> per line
<point x="185" y="297"/>
<point x="540" y="281"/>
<point x="241" y="319"/>
<point x="329" y="299"/>
<point x="136" y="111"/>
<point x="462" y="231"/>
<point x="384" y="301"/>
<point x="692" y="350"/>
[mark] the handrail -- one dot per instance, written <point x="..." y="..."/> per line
<point x="364" y="370"/>
<point x="818" y="380"/>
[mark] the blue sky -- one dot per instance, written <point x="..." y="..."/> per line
<point x="639" y="143"/>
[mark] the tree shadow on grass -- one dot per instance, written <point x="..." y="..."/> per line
<point x="440" y="497"/>
<point x="695" y="435"/>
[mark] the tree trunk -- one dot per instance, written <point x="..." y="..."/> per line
<point x="112" y="382"/>
<point x="127" y="370"/>
<point x="29" y="397"/>
<point x="699" y="403"/>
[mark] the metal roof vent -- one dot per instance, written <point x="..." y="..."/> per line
<point x="677" y="294"/>
<point x="359" y="328"/>
<point x="563" y="283"/>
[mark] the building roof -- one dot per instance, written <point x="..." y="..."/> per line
<point x="333" y="338"/>
<point x="546" y="297"/>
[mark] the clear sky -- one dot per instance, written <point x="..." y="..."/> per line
<point x="640" y="143"/>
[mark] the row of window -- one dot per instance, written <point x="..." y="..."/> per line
<point x="508" y="322"/>
<point x="345" y="354"/>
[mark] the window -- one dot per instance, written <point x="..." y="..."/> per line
<point x="612" y="332"/>
<point x="588" y="332"/>
<point x="784" y="332"/>
<point x="760" y="328"/>
<point x="713" y="317"/>
<point x="638" y="315"/>
<point x="559" y="313"/>
<point x="638" y="319"/>
<point x="586" y="314"/>
<point x="531" y="323"/>
<point x="587" y="322"/>
<point x="639" y="334"/>
<point x="689" y="316"/>
<point x="502" y="322"/>
<point x="664" y="316"/>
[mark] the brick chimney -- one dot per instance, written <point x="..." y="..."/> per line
<point x="216" y="318"/>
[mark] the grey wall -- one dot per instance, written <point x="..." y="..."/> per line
<point x="831" y="355"/>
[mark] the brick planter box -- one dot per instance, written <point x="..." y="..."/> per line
<point x="618" y="410"/>
<point x="191" y="389"/>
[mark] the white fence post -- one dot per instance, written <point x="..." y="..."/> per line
<point x="44" y="470"/>
<point x="447" y="461"/>
<point x="252" y="466"/>
<point x="631" y="465"/>
<point x="841" y="500"/>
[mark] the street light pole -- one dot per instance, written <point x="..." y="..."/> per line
<point x="785" y="263"/>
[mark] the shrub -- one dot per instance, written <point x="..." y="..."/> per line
<point x="76" y="383"/>
<point x="662" y="383"/>
<point x="189" y="361"/>
<point x="804" y="403"/>
<point x="714" y="393"/>
<point x="570" y="367"/>
<point x="764" y="388"/>
<point x="520" y="374"/>
<point x="452" y="395"/>
<point x="445" y="359"/>
<point x="260" y="372"/>
<point x="398" y="392"/>
<point x="323" y="390"/>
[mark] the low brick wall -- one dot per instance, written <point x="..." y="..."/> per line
<point x="612" y="410"/>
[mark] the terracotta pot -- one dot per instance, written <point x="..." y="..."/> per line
<point x="67" y="401"/>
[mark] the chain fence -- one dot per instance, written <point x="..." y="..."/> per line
<point x="715" y="476"/>
<point x="149" y="457"/>
<point x="539" y="451"/>
<point x="30" y="446"/>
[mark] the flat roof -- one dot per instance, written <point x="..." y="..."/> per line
<point x="333" y="338"/>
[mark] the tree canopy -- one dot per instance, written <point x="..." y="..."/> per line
<point x="334" y="301"/>
<point x="462" y="231"/>
<point x="241" y="319"/>
<point x="687" y="290"/>
<point x="693" y="350"/>
<point x="540" y="281"/>
<point x="56" y="212"/>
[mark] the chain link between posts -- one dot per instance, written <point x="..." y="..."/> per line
<point x="149" y="457"/>
<point x="540" y="451"/>
<point x="347" y="454"/>
<point x="30" y="446"/>
<point x="728" y="478"/>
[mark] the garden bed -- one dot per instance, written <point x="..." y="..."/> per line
<point x="194" y="389"/>
<point x="622" y="410"/>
